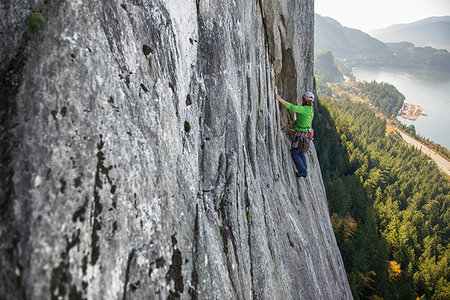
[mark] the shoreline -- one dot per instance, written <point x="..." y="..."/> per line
<point x="441" y="162"/>
<point x="411" y="111"/>
<point x="415" y="83"/>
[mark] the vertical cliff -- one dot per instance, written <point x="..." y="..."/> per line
<point x="142" y="153"/>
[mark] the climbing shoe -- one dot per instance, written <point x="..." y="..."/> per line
<point x="302" y="174"/>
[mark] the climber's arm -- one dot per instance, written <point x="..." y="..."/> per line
<point x="290" y="106"/>
<point x="295" y="108"/>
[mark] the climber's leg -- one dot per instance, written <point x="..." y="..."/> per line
<point x="299" y="160"/>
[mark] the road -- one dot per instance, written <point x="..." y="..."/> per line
<point x="439" y="160"/>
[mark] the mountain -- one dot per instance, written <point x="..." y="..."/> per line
<point x="344" y="42"/>
<point x="433" y="31"/>
<point x="142" y="153"/>
<point x="352" y="47"/>
<point x="406" y="54"/>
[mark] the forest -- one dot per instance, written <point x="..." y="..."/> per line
<point x="388" y="203"/>
<point x="386" y="99"/>
<point x="411" y="130"/>
<point x="384" y="96"/>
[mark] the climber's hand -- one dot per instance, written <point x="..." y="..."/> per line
<point x="280" y="99"/>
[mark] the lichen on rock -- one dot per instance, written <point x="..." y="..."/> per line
<point x="35" y="20"/>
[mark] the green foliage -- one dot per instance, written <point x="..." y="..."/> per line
<point x="384" y="96"/>
<point x="387" y="100"/>
<point x="398" y="199"/>
<point x="410" y="129"/>
<point x="34" y="21"/>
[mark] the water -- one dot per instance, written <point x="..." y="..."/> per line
<point x="429" y="89"/>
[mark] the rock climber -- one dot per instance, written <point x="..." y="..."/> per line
<point x="300" y="143"/>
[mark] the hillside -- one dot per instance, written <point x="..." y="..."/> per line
<point x="433" y="32"/>
<point x="344" y="42"/>
<point x="389" y="204"/>
<point x="356" y="48"/>
<point x="143" y="155"/>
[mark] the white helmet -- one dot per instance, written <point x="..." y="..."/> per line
<point x="308" y="96"/>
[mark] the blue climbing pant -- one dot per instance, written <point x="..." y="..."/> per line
<point x="299" y="160"/>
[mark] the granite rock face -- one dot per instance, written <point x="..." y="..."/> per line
<point x="143" y="155"/>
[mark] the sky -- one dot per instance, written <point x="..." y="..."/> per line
<point x="367" y="15"/>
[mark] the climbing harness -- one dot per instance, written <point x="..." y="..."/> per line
<point x="310" y="133"/>
<point x="301" y="140"/>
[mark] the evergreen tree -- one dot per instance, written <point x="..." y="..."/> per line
<point x="388" y="204"/>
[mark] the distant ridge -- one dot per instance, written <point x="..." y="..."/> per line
<point x="352" y="47"/>
<point x="344" y="42"/>
<point x="433" y="31"/>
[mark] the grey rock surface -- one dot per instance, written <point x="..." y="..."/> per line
<point x="143" y="157"/>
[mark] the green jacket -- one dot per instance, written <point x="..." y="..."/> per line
<point x="305" y="115"/>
